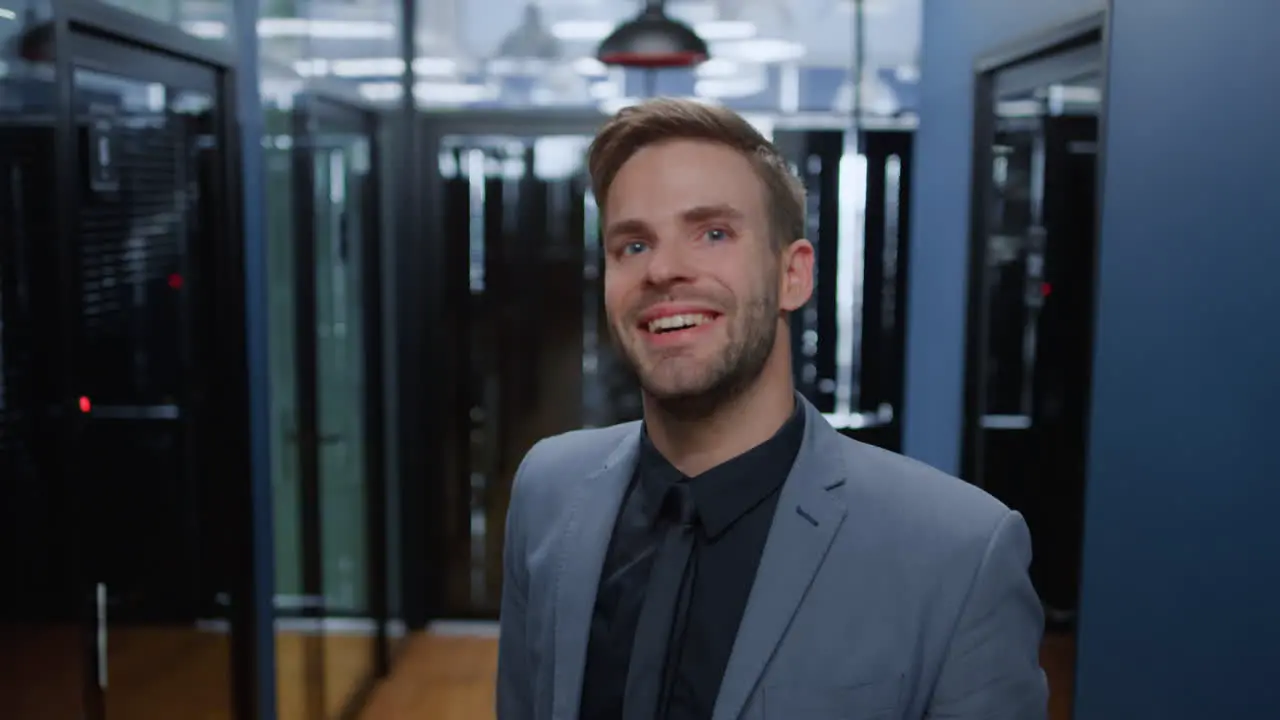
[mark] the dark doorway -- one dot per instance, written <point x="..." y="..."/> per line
<point x="1031" y="305"/>
<point x="151" y="221"/>
<point x="123" y="333"/>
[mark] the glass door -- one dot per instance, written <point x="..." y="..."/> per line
<point x="339" y="506"/>
<point x="341" y="153"/>
<point x="151" y="454"/>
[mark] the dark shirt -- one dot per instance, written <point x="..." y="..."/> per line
<point x="734" y="504"/>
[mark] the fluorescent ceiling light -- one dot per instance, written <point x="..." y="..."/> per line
<point x="429" y="92"/>
<point x="716" y="30"/>
<point x="605" y="90"/>
<point x="1062" y="94"/>
<point x="597" y="30"/>
<point x="301" y="27"/>
<point x="208" y="29"/>
<point x="1019" y="108"/>
<point x="582" y="30"/>
<point x="335" y="29"/>
<point x="373" y="67"/>
<point x="729" y="87"/>
<point x="590" y="67"/>
<point x="717" y="68"/>
<point x="7" y="14"/>
<point x="452" y="92"/>
<point x="519" y="66"/>
<point x="761" y="50"/>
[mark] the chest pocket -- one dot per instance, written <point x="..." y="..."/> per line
<point x="876" y="700"/>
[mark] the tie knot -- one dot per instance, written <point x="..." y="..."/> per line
<point x="678" y="503"/>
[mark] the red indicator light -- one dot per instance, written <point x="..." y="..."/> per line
<point x="85" y="406"/>
<point x="175" y="281"/>
<point x="1045" y="289"/>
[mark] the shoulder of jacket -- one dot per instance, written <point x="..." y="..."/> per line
<point x="921" y="498"/>
<point x="553" y="462"/>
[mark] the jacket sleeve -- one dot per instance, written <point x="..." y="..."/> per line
<point x="514" y="699"/>
<point x="992" y="666"/>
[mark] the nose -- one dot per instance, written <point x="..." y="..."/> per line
<point x="668" y="264"/>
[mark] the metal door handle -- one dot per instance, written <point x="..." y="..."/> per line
<point x="102" y="635"/>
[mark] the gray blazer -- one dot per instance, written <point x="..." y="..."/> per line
<point x="887" y="590"/>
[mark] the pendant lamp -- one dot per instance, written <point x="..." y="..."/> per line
<point x="653" y="40"/>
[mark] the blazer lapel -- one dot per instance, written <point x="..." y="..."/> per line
<point x="804" y="524"/>
<point x="582" y="549"/>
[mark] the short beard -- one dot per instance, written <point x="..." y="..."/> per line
<point x="740" y="367"/>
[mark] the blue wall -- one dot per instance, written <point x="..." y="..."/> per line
<point x="1181" y="599"/>
<point x="955" y="34"/>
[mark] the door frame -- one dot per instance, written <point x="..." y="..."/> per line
<point x="252" y="670"/>
<point x="1020" y="64"/>
<point x="362" y="120"/>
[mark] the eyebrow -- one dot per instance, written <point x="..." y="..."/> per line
<point x="693" y="215"/>
<point x="703" y="213"/>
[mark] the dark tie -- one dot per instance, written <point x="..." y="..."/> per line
<point x="647" y="674"/>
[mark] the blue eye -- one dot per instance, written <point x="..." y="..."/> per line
<point x="716" y="234"/>
<point x="632" y="248"/>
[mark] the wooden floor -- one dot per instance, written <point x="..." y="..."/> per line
<point x="452" y="678"/>
<point x="158" y="673"/>
<point x="164" y="673"/>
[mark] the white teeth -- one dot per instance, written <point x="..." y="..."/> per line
<point x="677" y="322"/>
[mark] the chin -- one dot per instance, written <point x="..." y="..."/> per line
<point x="678" y="387"/>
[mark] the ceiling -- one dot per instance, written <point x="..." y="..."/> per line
<point x="767" y="55"/>
<point x="823" y="29"/>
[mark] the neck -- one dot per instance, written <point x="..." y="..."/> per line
<point x="751" y="418"/>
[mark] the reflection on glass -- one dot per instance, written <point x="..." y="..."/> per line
<point x="1014" y="246"/>
<point x="42" y="668"/>
<point x="299" y="683"/>
<point x="340" y="169"/>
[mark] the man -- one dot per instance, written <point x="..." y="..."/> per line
<point x="733" y="556"/>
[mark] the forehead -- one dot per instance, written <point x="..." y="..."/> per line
<point x="663" y="180"/>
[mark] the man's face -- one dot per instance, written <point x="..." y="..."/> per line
<point x="691" y="280"/>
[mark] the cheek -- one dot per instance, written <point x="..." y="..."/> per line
<point x="614" y="294"/>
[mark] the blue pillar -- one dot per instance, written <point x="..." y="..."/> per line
<point x="249" y="119"/>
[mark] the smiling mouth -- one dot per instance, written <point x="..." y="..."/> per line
<point x="676" y="323"/>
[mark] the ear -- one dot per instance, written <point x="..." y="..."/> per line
<point x="796" y="276"/>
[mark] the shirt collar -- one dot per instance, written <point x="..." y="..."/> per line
<point x="729" y="490"/>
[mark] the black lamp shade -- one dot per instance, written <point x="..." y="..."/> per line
<point x="653" y="40"/>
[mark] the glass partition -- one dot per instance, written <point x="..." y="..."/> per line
<point x="324" y="213"/>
